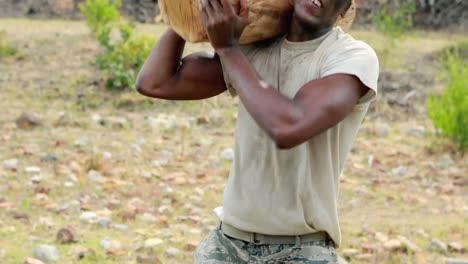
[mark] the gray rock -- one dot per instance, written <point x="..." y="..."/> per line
<point x="167" y="191"/>
<point x="228" y="154"/>
<point x="410" y="246"/>
<point x="82" y="142"/>
<point x="110" y="244"/>
<point x="46" y="253"/>
<point x="445" y="162"/>
<point x="216" y="118"/>
<point x="160" y="163"/>
<point x="438" y="246"/>
<point x="146" y="174"/>
<point x="11" y="164"/>
<point x="455" y="247"/>
<point x="120" y="227"/>
<point x="382" y="130"/>
<point x="456" y="261"/>
<point x="418" y="131"/>
<point x="36" y="179"/>
<point x="49" y="157"/>
<point x="88" y="216"/>
<point x="94" y="176"/>
<point x="32" y="170"/>
<point x="172" y="252"/>
<point x="400" y="171"/>
<point x="104" y="222"/>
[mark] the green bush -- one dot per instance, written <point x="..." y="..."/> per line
<point x="396" y="22"/>
<point x="5" y="47"/>
<point x="124" y="55"/>
<point x="449" y="111"/>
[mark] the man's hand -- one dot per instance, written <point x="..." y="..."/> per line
<point x="223" y="25"/>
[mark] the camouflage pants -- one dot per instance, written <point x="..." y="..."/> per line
<point x="218" y="248"/>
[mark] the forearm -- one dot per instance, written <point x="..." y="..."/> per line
<point x="270" y="109"/>
<point x="163" y="61"/>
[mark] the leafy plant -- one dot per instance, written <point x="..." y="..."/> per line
<point x="122" y="57"/>
<point x="394" y="23"/>
<point x="449" y="111"/>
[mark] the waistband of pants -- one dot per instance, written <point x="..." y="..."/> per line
<point x="260" y="239"/>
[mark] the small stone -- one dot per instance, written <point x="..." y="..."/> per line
<point x="32" y="261"/>
<point x="160" y="163"/>
<point x="400" y="171"/>
<point x="11" y="164"/>
<point x="216" y="118"/>
<point x="410" y="246"/>
<point x="88" y="216"/>
<point x="349" y="252"/>
<point x="172" y="252"/>
<point x="36" y="179"/>
<point x="107" y="155"/>
<point x="69" y="184"/>
<point x="382" y="130"/>
<point x="120" y="227"/>
<point x="110" y="244"/>
<point x="97" y="119"/>
<point x="104" y="222"/>
<point x="149" y="218"/>
<point x="381" y="237"/>
<point x="418" y="131"/>
<point x="455" y="247"/>
<point x="82" y="142"/>
<point x="94" y="176"/>
<point x="27" y="121"/>
<point x="392" y="245"/>
<point x="46" y="253"/>
<point x="445" y="162"/>
<point x="456" y="261"/>
<point x="32" y="170"/>
<point x="48" y="157"/>
<point x="153" y="242"/>
<point x="67" y="235"/>
<point x="228" y="154"/>
<point x="438" y="246"/>
<point x="146" y="174"/>
<point x="167" y="191"/>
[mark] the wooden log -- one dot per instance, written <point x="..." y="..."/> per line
<point x="270" y="18"/>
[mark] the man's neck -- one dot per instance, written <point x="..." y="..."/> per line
<point x="298" y="33"/>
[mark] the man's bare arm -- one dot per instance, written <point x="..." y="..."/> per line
<point x="164" y="75"/>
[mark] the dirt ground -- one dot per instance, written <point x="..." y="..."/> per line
<point x="149" y="173"/>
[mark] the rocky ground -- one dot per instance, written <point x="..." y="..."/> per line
<point x="90" y="176"/>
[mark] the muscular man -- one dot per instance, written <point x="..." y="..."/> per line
<point x="302" y="100"/>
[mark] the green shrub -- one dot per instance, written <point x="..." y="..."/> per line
<point x="393" y="24"/>
<point x="449" y="111"/>
<point x="396" y="22"/>
<point x="5" y="46"/>
<point x="124" y="55"/>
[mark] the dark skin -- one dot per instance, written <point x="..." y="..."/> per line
<point x="319" y="105"/>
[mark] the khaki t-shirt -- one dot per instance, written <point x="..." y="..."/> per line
<point x="295" y="191"/>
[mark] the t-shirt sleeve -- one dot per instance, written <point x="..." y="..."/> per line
<point x="354" y="58"/>
<point x="246" y="49"/>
